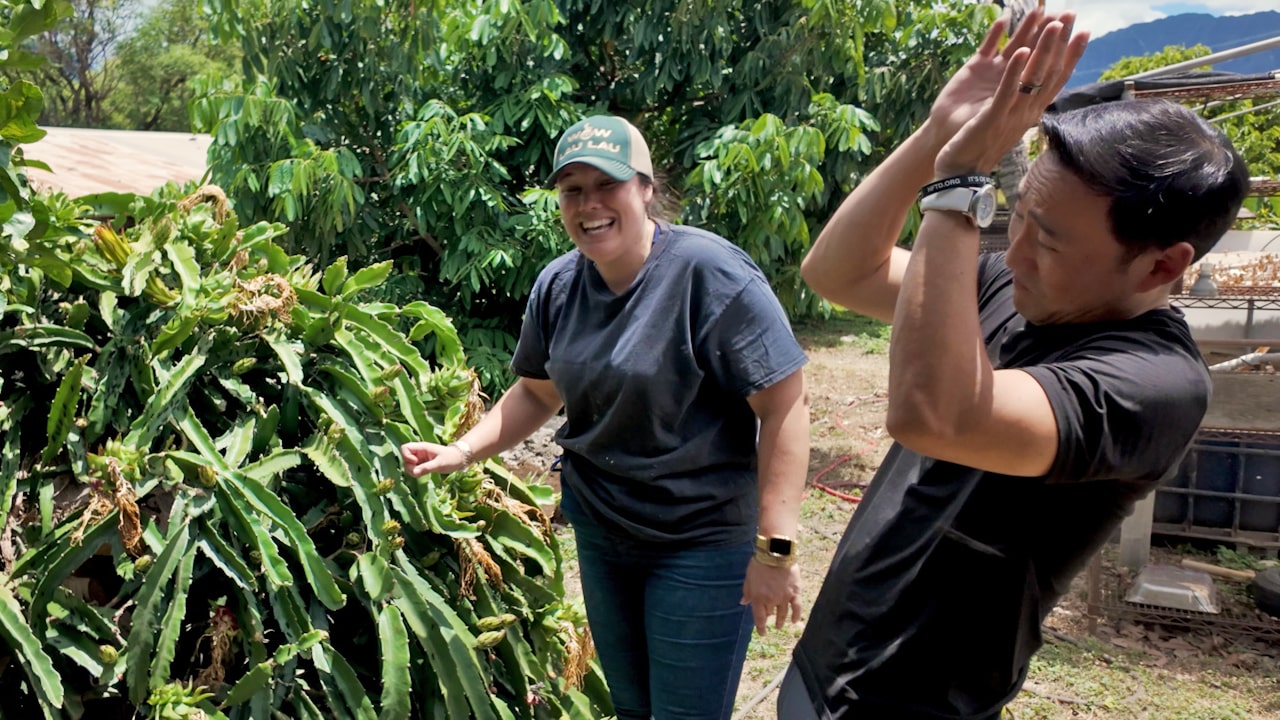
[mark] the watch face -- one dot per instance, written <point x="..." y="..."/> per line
<point x="780" y="546"/>
<point x="984" y="206"/>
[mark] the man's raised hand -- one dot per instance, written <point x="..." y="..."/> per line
<point x="1033" y="67"/>
<point x="976" y="83"/>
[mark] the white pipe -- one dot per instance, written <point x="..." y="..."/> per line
<point x="1251" y="359"/>
<point x="1245" y="111"/>
<point x="1217" y="57"/>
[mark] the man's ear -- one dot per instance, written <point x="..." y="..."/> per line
<point x="1167" y="266"/>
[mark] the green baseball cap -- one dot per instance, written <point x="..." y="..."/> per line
<point x="607" y="143"/>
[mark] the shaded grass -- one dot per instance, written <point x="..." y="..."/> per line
<point x="845" y="328"/>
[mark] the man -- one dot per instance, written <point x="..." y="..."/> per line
<point x="1034" y="396"/>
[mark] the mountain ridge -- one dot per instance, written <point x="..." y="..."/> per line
<point x="1217" y="32"/>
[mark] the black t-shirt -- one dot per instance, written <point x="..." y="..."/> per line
<point x="659" y="440"/>
<point x="932" y="606"/>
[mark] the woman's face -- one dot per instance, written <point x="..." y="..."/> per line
<point x="605" y="218"/>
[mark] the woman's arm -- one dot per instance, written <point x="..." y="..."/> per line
<point x="518" y="413"/>
<point x="783" y="448"/>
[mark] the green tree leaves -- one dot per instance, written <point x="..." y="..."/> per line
<point x="1171" y="54"/>
<point x="761" y="182"/>
<point x="422" y="133"/>
<point x="1252" y="125"/>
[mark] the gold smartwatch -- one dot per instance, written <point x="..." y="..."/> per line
<point x="775" y="550"/>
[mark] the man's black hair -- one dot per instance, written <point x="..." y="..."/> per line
<point x="1171" y="176"/>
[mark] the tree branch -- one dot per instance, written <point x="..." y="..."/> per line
<point x="422" y="233"/>
<point x="164" y="100"/>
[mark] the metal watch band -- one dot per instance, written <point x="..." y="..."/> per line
<point x="468" y="455"/>
<point x="771" y="560"/>
<point x="780" y="545"/>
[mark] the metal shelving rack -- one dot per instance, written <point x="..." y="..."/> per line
<point x="1251" y="300"/>
<point x="1255" y="299"/>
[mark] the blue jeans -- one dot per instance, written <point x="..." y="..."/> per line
<point x="668" y="625"/>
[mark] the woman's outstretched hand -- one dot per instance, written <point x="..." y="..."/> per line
<point x="421" y="458"/>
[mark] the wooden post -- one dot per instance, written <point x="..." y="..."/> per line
<point x="1135" y="534"/>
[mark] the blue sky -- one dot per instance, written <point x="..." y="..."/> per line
<point x="1102" y="16"/>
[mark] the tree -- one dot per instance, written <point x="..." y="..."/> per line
<point x="1170" y="55"/>
<point x="204" y="509"/>
<point x="125" y="64"/>
<point x="422" y="133"/>
<point x="78" y="75"/>
<point x="157" y="67"/>
<point x="1253" y="129"/>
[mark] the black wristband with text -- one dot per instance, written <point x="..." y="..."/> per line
<point x="956" y="181"/>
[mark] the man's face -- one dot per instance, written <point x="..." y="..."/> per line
<point x="1067" y="265"/>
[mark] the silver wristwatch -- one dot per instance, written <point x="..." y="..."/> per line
<point x="971" y="195"/>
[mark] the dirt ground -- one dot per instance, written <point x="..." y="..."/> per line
<point x="1124" y="670"/>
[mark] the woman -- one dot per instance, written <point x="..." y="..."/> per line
<point x="686" y="431"/>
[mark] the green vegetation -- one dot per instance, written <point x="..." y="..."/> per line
<point x="1255" y="132"/>
<point x="125" y="64"/>
<point x="205" y="509"/>
<point x="867" y="334"/>
<point x="422" y="133"/>
<point x="208" y="429"/>
<point x="1170" y="55"/>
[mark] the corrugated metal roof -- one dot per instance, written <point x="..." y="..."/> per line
<point x="86" y="161"/>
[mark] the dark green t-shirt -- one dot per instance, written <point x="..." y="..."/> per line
<point x="660" y="443"/>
